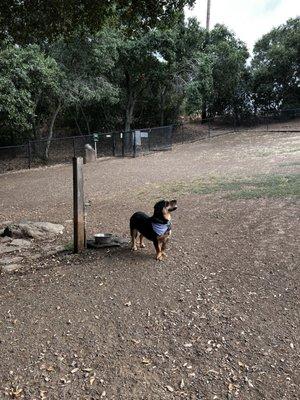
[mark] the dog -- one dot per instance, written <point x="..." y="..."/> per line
<point x="157" y="228"/>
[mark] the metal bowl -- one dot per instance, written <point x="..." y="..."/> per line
<point x="103" y="238"/>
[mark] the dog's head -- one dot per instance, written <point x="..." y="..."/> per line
<point x="163" y="208"/>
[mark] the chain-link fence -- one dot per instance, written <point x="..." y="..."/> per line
<point x="61" y="150"/>
<point x="140" y="141"/>
<point x="211" y="127"/>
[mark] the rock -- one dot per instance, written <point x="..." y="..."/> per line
<point x="5" y="239"/>
<point x="20" y="243"/>
<point x="10" y="267"/>
<point x="90" y="154"/>
<point x="52" y="250"/>
<point x="35" y="230"/>
<point x="10" y="260"/>
<point x="7" y="249"/>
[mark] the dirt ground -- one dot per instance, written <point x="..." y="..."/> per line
<point x="219" y="319"/>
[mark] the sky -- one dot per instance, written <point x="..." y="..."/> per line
<point x="249" y="19"/>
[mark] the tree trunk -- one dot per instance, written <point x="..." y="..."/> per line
<point x="77" y="125"/>
<point x="204" y="112"/>
<point x="130" y="103"/>
<point x="162" y="106"/>
<point x="129" y="112"/>
<point x="50" y="134"/>
<point x="86" y="120"/>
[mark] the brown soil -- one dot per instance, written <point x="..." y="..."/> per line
<point x="219" y="319"/>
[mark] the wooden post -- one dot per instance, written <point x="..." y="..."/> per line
<point x="29" y="154"/>
<point x="78" y="198"/>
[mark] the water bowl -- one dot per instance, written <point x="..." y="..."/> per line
<point x="103" y="238"/>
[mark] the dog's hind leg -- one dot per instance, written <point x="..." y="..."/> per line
<point x="134" y="234"/>
<point x="142" y="244"/>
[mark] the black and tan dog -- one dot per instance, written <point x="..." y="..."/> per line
<point x="156" y="228"/>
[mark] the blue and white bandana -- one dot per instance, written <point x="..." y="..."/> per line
<point x="161" y="229"/>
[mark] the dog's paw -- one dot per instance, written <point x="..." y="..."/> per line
<point x="159" y="258"/>
<point x="142" y="245"/>
<point x="164" y="255"/>
<point x="134" y="248"/>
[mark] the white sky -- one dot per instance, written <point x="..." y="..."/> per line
<point x="249" y="19"/>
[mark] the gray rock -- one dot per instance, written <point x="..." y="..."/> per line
<point x="7" y="249"/>
<point x="10" y="260"/>
<point x="10" y="267"/>
<point x="5" y="239"/>
<point x="36" y="230"/>
<point x="20" y="243"/>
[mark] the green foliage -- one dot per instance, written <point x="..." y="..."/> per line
<point x="36" y="21"/>
<point x="276" y="68"/>
<point x="26" y="76"/>
<point x="218" y="73"/>
<point x="138" y="63"/>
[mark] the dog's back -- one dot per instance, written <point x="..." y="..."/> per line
<point x="142" y="223"/>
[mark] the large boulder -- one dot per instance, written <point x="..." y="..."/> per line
<point x="35" y="230"/>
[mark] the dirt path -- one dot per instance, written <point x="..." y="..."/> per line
<point x="218" y="320"/>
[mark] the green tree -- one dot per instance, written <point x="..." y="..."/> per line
<point x="276" y="68"/>
<point x="26" y="74"/>
<point x="219" y="70"/>
<point x="229" y="56"/>
<point x="32" y="21"/>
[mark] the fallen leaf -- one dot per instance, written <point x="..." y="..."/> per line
<point x="74" y="370"/>
<point x="135" y="341"/>
<point x="169" y="388"/>
<point x="43" y="394"/>
<point x="16" y="393"/>
<point x="181" y="385"/>
<point x="146" y="361"/>
<point x="92" y="380"/>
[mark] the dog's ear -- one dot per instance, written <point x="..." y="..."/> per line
<point x="158" y="208"/>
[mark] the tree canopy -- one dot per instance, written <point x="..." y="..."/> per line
<point x="28" y="21"/>
<point x="105" y="65"/>
<point x="276" y="67"/>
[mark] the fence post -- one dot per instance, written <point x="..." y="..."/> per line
<point x="29" y="154"/>
<point x="149" y="139"/>
<point x="134" y="143"/>
<point x="74" y="149"/>
<point x="123" y="144"/>
<point x="113" y="144"/>
<point x="78" y="206"/>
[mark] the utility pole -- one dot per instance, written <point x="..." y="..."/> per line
<point x="208" y="14"/>
<point x="204" y="105"/>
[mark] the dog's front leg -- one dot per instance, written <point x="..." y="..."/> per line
<point x="158" y="245"/>
<point x="164" y="245"/>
